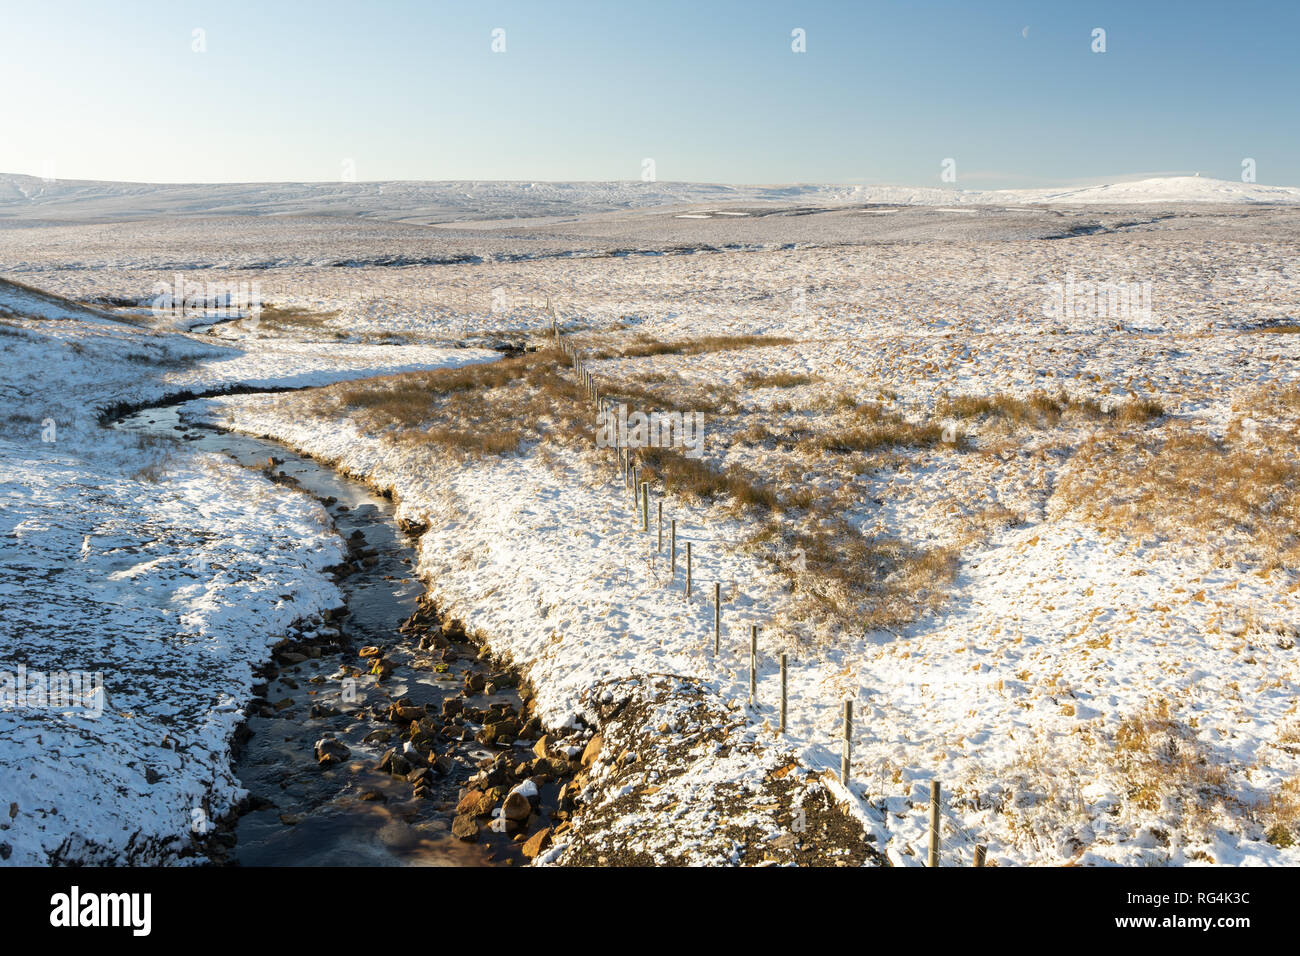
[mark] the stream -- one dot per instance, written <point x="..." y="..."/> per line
<point x="351" y="812"/>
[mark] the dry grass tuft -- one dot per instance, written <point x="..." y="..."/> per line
<point x="1041" y="410"/>
<point x="871" y="427"/>
<point x="1237" y="495"/>
<point x="1161" y="758"/>
<point x="777" y="379"/>
<point x="278" y="318"/>
<point x="475" y="410"/>
<point x="1282" y="815"/>
<point x="697" y="480"/>
<point x="855" y="581"/>
<point x="645" y="346"/>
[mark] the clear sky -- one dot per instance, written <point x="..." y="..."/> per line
<point x="711" y="91"/>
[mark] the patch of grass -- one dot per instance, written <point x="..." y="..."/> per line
<point x="531" y="401"/>
<point x="479" y="410"/>
<point x="645" y="346"/>
<point x="1160" y="757"/>
<point x="159" y="359"/>
<point x="777" y="379"/>
<point x="697" y="480"/>
<point x="1040" y="409"/>
<point x="856" y="581"/>
<point x="871" y="428"/>
<point x="1283" y="815"/>
<point x="1240" y="496"/>
<point x="281" y="318"/>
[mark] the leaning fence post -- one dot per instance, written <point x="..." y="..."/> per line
<point x="660" y="506"/>
<point x="672" y="546"/>
<point x="783" y="694"/>
<point x="980" y="852"/>
<point x="717" y="616"/>
<point x="846" y="756"/>
<point x="934" y="822"/>
<point x="645" y="506"/>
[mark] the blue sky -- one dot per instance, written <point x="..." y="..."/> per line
<point x="290" y="91"/>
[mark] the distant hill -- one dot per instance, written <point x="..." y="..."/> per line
<point x="29" y="199"/>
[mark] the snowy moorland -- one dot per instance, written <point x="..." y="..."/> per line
<point x="1022" y="486"/>
<point x="26" y="198"/>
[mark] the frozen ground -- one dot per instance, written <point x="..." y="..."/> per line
<point x="1088" y="689"/>
<point x="163" y="576"/>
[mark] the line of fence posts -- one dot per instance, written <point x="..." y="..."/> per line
<point x="641" y="503"/>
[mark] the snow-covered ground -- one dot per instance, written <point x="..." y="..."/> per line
<point x="1085" y="691"/>
<point x="1057" y="636"/>
<point x="157" y="578"/>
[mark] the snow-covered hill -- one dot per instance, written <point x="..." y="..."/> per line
<point x="23" y="300"/>
<point x="28" y="198"/>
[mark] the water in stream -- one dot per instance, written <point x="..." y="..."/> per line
<point x="350" y="813"/>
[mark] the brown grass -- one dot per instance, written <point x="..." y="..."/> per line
<point x="1040" y="410"/>
<point x="645" y="346"/>
<point x="777" y="379"/>
<point x="501" y="407"/>
<point x="1282" y="815"/>
<point x="862" y="582"/>
<point x="697" y="480"/>
<point x="1241" y="497"/>
<point x="475" y="410"/>
<point x="1160" y="756"/>
<point x="871" y="427"/>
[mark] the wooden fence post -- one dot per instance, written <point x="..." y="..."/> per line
<point x="753" y="663"/>
<point x="846" y="756"/>
<point x="660" y="506"/>
<point x="672" y="546"/>
<point x="688" y="570"/>
<point x="645" y="506"/>
<point x="784" y="698"/>
<point x="717" y="616"/>
<point x="980" y="852"/>
<point x="934" y="822"/>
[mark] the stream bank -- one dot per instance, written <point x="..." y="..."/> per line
<point x="380" y="734"/>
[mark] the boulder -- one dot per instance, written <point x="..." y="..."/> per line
<point x="538" y="842"/>
<point x="476" y="803"/>
<point x="330" y="751"/>
<point x="516" y="807"/>
<point x="465" y="828"/>
<point x="394" y="763"/>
